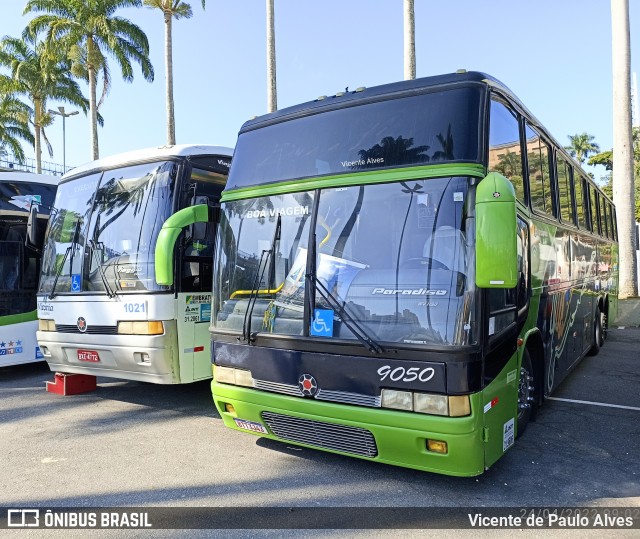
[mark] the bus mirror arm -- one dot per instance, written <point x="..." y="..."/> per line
<point x="168" y="235"/>
<point x="31" y="240"/>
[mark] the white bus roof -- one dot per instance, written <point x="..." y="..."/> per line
<point x="150" y="154"/>
<point x="17" y="176"/>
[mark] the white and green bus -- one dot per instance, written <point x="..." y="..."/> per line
<point x="121" y="221"/>
<point x="19" y="264"/>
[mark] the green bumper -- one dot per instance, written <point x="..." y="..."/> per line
<point x="400" y="437"/>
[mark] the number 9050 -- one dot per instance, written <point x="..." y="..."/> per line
<point x="406" y="375"/>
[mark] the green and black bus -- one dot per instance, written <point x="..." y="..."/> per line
<point x="404" y="273"/>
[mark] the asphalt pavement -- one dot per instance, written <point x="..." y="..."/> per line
<point x="137" y="444"/>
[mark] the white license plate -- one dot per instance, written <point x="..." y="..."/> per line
<point x="250" y="425"/>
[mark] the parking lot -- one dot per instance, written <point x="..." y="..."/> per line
<point x="138" y="444"/>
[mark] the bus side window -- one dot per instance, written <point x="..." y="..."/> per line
<point x="594" y="211"/>
<point x="579" y="199"/>
<point x="505" y="154"/>
<point x="564" y="191"/>
<point x="604" y="217"/>
<point x="539" y="178"/>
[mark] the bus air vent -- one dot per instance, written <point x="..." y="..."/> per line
<point x="352" y="440"/>
<point x="91" y="330"/>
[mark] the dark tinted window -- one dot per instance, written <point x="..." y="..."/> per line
<point x="428" y="128"/>
<point x="504" y="146"/>
<point x="604" y="217"/>
<point x="594" y="211"/>
<point x="564" y="190"/>
<point x="579" y="195"/>
<point x="539" y="178"/>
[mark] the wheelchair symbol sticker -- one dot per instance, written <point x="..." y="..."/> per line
<point x="75" y="282"/>
<point x="322" y="323"/>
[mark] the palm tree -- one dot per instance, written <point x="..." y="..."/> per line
<point x="581" y="146"/>
<point x="171" y="9"/>
<point x="38" y="73"/>
<point x="272" y="95"/>
<point x="409" y="41"/>
<point x="14" y="124"/>
<point x="623" y="180"/>
<point x="90" y="31"/>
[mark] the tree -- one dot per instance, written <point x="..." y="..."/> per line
<point x="38" y="73"/>
<point x="14" y="124"/>
<point x="606" y="160"/>
<point x="90" y="31"/>
<point x="581" y="146"/>
<point x="623" y="180"/>
<point x="409" y="40"/>
<point x="171" y="9"/>
<point x="272" y="94"/>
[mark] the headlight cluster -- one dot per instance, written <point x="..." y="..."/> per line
<point x="140" y="328"/>
<point x="46" y="325"/>
<point x="231" y="375"/>
<point x="426" y="403"/>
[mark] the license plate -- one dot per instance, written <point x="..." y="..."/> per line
<point x="88" y="355"/>
<point x="250" y="425"/>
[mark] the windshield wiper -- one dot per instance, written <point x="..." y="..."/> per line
<point x="316" y="285"/>
<point x="95" y="246"/>
<point x="75" y="240"/>
<point x="253" y="296"/>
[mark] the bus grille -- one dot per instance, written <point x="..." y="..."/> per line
<point x="353" y="440"/>
<point x="91" y="330"/>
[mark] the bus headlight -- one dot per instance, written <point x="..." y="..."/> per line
<point x="233" y="376"/>
<point x="399" y="400"/>
<point x="46" y="325"/>
<point x="426" y="403"/>
<point x="154" y="327"/>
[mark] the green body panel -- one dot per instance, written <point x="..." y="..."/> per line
<point x="500" y="419"/>
<point x="360" y="178"/>
<point x="496" y="250"/>
<point x="400" y="436"/>
<point x="18" y="318"/>
<point x="169" y="234"/>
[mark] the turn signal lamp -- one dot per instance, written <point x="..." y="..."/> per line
<point x="46" y="325"/>
<point x="230" y="409"/>
<point x="437" y="446"/>
<point x="154" y="327"/>
<point x="233" y="376"/>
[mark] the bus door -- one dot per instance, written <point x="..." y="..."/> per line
<point x="194" y="299"/>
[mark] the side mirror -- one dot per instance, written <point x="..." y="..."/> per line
<point x="31" y="241"/>
<point x="164" y="261"/>
<point x="496" y="233"/>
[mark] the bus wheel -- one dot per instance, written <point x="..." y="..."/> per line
<point x="526" y="392"/>
<point x="597" y="333"/>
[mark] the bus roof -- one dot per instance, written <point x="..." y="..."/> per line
<point x="160" y="152"/>
<point x="361" y="94"/>
<point x="31" y="177"/>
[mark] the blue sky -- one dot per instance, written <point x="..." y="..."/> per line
<point x="554" y="54"/>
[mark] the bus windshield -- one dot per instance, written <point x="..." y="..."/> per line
<point x="422" y="129"/>
<point x="103" y="235"/>
<point x="397" y="257"/>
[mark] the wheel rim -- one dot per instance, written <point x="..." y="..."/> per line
<point x="525" y="391"/>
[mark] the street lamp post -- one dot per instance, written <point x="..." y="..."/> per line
<point x="61" y="112"/>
